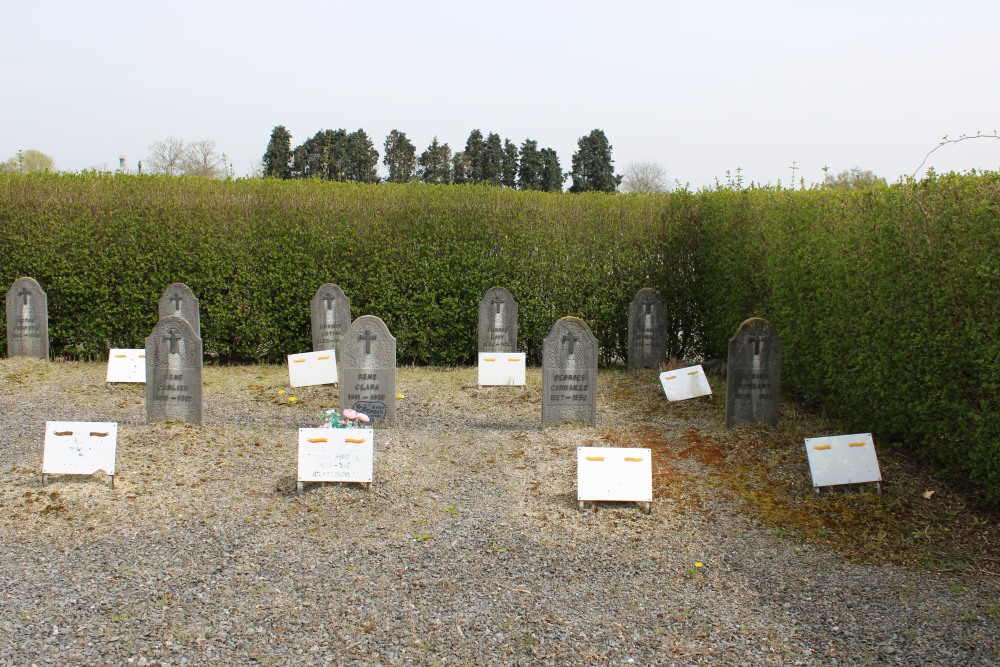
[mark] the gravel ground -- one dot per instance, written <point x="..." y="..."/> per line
<point x="468" y="549"/>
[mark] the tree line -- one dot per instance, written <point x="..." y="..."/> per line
<point x="339" y="155"/>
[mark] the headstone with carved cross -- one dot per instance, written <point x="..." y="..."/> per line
<point x="647" y="330"/>
<point x="498" y="321"/>
<point x="27" y="320"/>
<point x="331" y="315"/>
<point x="368" y="369"/>
<point x="173" y="371"/>
<point x="753" y="375"/>
<point x="569" y="373"/>
<point x="180" y="301"/>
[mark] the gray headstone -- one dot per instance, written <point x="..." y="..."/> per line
<point x="753" y="375"/>
<point x="498" y="321"/>
<point x="27" y="320"/>
<point x="178" y="300"/>
<point x="368" y="367"/>
<point x="569" y="373"/>
<point x="331" y="315"/>
<point x="173" y="372"/>
<point x="647" y="330"/>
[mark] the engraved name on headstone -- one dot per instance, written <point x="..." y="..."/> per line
<point x="180" y="301"/>
<point x="173" y="372"/>
<point x="368" y="366"/>
<point x="569" y="373"/>
<point x="27" y="320"/>
<point x="753" y="375"/>
<point x="331" y="315"/>
<point x="498" y="321"/>
<point x="647" y="330"/>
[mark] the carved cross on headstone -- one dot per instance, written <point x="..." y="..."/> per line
<point x="368" y="337"/>
<point x="328" y="300"/>
<point x="648" y="306"/>
<point x="24" y="294"/>
<point x="177" y="301"/>
<point x="571" y="338"/>
<point x="173" y="337"/>
<point x="756" y="340"/>
<point x="497" y="301"/>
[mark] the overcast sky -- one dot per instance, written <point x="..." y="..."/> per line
<point x="702" y="88"/>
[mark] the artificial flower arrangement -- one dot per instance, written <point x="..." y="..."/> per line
<point x="348" y="419"/>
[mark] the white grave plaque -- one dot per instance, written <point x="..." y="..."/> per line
<point x="683" y="383"/>
<point x="126" y="365"/>
<point x="312" y="368"/>
<point x="842" y="459"/>
<point x="614" y="473"/>
<point x="502" y="368"/>
<point x="336" y="455"/>
<point x="79" y="448"/>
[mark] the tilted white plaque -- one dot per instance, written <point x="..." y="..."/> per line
<point x="312" y="368"/>
<point x="683" y="383"/>
<point x="843" y="459"/>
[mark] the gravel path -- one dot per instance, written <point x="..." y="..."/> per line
<point x="468" y="550"/>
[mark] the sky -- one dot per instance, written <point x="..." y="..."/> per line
<point x="772" y="89"/>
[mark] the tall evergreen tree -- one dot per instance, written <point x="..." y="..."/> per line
<point x="530" y="167"/>
<point x="593" y="168"/>
<point x="400" y="157"/>
<point x="491" y="160"/>
<point x="474" y="147"/>
<point x="435" y="163"/>
<point x="508" y="165"/>
<point x="552" y="176"/>
<point x="460" y="168"/>
<point x="362" y="158"/>
<point x="278" y="156"/>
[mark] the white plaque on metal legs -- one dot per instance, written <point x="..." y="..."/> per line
<point x="502" y="368"/>
<point x="79" y="448"/>
<point x="336" y="455"/>
<point x="614" y="474"/>
<point x="126" y="365"/>
<point x="683" y="383"/>
<point x="312" y="368"/>
<point x="842" y="459"/>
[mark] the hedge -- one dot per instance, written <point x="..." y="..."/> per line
<point x="886" y="299"/>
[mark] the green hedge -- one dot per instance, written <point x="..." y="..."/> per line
<point x="886" y="299"/>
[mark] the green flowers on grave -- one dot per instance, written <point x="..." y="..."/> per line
<point x="349" y="419"/>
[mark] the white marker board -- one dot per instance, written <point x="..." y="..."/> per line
<point x="683" y="383"/>
<point x="79" y="448"/>
<point x="336" y="454"/>
<point x="843" y="459"/>
<point x="502" y="368"/>
<point x="126" y="365"/>
<point x="312" y="368"/>
<point x="614" y="473"/>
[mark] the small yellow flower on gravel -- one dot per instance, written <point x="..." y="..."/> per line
<point x="400" y="397"/>
<point x="292" y="399"/>
<point x="280" y="392"/>
<point x="698" y="565"/>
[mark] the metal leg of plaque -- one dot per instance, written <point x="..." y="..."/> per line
<point x="45" y="479"/>
<point x="301" y="488"/>
<point x="111" y="481"/>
